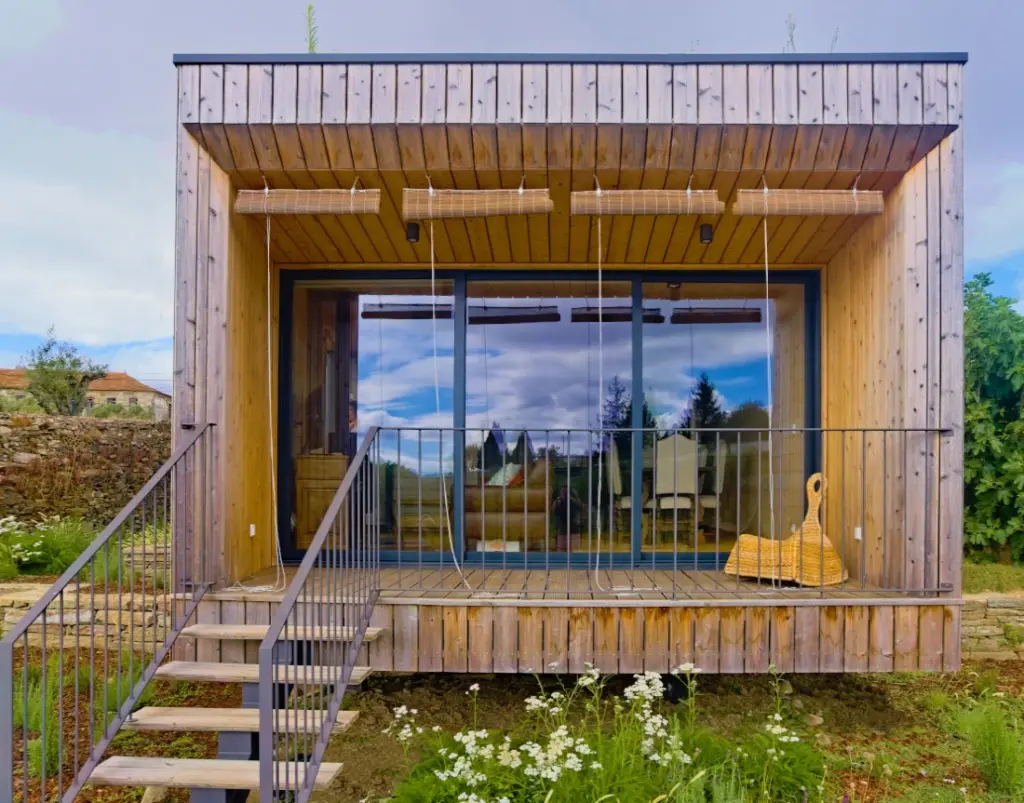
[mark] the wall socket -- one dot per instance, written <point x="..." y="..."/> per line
<point x="858" y="534"/>
<point x="252" y="530"/>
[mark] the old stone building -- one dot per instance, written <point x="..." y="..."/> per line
<point x="114" y="388"/>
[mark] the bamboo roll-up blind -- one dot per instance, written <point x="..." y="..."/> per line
<point x="307" y="202"/>
<point x="808" y="202"/>
<point x="418" y="204"/>
<point x="647" y="202"/>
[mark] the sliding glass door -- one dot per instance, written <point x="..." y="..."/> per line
<point x="510" y="433"/>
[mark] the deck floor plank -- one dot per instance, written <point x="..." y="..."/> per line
<point x="581" y="585"/>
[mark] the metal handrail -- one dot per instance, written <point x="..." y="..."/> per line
<point x="669" y="511"/>
<point x="93" y="549"/>
<point x="104" y="665"/>
<point x="336" y="603"/>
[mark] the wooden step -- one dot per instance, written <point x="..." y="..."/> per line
<point x="258" y="632"/>
<point x="198" y="672"/>
<point x="196" y="773"/>
<point x="231" y="719"/>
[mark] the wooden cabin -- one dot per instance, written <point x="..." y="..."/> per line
<point x="476" y="375"/>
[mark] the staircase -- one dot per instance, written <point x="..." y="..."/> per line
<point x="152" y="557"/>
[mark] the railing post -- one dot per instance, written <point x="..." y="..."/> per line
<point x="7" y="721"/>
<point x="266" y="733"/>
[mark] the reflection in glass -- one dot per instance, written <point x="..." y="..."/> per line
<point x="363" y="354"/>
<point x="539" y="473"/>
<point x="705" y="376"/>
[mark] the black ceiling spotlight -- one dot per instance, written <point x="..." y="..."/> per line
<point x="412" y="231"/>
<point x="707" y="233"/>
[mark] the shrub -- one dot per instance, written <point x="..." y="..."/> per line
<point x="993" y="421"/>
<point x="8" y="404"/>
<point x="995" y="740"/>
<point x="47" y="546"/>
<point x="132" y="411"/>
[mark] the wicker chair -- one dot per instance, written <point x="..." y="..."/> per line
<point x="806" y="558"/>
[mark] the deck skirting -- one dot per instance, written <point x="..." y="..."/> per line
<point x="718" y="636"/>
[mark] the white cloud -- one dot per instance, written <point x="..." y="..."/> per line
<point x="24" y="25"/>
<point x="994" y="228"/>
<point x="87" y="225"/>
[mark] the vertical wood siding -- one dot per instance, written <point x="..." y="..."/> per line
<point x="626" y="640"/>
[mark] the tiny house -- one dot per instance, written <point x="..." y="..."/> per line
<point x="530" y="363"/>
<point x="503" y="544"/>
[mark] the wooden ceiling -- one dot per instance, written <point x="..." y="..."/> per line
<point x="567" y="128"/>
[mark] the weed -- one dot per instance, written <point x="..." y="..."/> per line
<point x="986" y="682"/>
<point x="995" y="740"/>
<point x="1014" y="635"/>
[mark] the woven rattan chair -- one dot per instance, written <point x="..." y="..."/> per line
<point x="807" y="557"/>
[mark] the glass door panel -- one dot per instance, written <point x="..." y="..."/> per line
<point x="712" y="371"/>
<point x="363" y="354"/>
<point x="542" y="479"/>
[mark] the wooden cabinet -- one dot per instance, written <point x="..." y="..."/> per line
<point x="317" y="478"/>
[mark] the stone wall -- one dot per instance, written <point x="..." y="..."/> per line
<point x="112" y="619"/>
<point x="76" y="466"/>
<point x="992" y="627"/>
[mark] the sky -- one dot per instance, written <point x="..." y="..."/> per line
<point x="87" y="111"/>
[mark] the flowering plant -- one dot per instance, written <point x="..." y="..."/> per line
<point x="578" y="743"/>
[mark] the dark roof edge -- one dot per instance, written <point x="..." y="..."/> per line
<point x="569" y="58"/>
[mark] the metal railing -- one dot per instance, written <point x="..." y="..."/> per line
<point x="647" y="510"/>
<point x="308" y="655"/>
<point x="75" y="666"/>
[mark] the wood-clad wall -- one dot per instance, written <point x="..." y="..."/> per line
<point x="834" y="637"/>
<point x="249" y="414"/>
<point x="893" y="357"/>
<point x="220" y="350"/>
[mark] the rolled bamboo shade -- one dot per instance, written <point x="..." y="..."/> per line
<point x="809" y="202"/>
<point x="434" y="204"/>
<point x="308" y="202"/>
<point x="647" y="202"/>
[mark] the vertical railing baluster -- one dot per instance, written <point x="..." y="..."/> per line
<point x="842" y="501"/>
<point x="716" y="478"/>
<point x="884" y="576"/>
<point x="863" y="509"/>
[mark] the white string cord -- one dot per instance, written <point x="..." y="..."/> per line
<point x="437" y="392"/>
<point x="280" y="579"/>
<point x="631" y="589"/>
<point x="771" y="400"/>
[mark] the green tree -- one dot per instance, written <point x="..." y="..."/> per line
<point x="705" y="410"/>
<point x="993" y="420"/>
<point x="58" y="376"/>
<point x="749" y="415"/>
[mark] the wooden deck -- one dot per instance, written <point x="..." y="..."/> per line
<point x="516" y="621"/>
<point x="428" y="585"/>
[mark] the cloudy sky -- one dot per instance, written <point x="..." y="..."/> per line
<point x="87" y="102"/>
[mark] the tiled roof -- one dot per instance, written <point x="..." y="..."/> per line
<point x="13" y="379"/>
<point x="113" y="382"/>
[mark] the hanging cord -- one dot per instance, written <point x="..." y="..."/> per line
<point x="631" y="589"/>
<point x="768" y="351"/>
<point x="280" y="579"/>
<point x="437" y="387"/>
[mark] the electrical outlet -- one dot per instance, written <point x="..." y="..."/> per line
<point x="858" y="534"/>
<point x="252" y="530"/>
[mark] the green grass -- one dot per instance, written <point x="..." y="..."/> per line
<point x="997" y="577"/>
<point x="996" y="745"/>
<point x="50" y="545"/>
